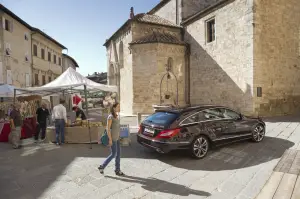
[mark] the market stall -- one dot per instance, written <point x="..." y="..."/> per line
<point x="71" y="82"/>
<point x="28" y="105"/>
<point x="79" y="133"/>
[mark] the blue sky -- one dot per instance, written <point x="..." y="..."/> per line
<point x="80" y="25"/>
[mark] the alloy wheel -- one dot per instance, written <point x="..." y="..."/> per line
<point x="200" y="147"/>
<point x="258" y="133"/>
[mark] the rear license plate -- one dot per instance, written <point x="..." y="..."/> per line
<point x="149" y="131"/>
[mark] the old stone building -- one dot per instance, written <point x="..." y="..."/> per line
<point x="68" y="62"/>
<point x="244" y="54"/>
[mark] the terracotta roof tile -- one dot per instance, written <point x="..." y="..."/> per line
<point x="158" y="37"/>
<point x="146" y="18"/>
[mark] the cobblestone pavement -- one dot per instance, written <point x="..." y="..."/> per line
<point x="237" y="171"/>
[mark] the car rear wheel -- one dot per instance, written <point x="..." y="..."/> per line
<point x="258" y="133"/>
<point x="200" y="147"/>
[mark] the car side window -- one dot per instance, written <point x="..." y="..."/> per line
<point x="213" y="114"/>
<point x="229" y="114"/>
<point x="191" y="119"/>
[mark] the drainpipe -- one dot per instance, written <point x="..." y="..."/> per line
<point x="187" y="69"/>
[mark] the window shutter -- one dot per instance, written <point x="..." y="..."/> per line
<point x="8" y="77"/>
<point x="11" y="26"/>
<point x="1" y="73"/>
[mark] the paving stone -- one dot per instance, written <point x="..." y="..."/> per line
<point x="270" y="187"/>
<point x="255" y="185"/>
<point x="236" y="171"/>
<point x="288" y="131"/>
<point x="286" y="186"/>
<point x="296" y="191"/>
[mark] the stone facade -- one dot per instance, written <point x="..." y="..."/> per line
<point x="190" y="7"/>
<point x="149" y="76"/>
<point x="120" y="59"/>
<point x="68" y="62"/>
<point x="15" y="65"/>
<point x="251" y="65"/>
<point x="49" y="67"/>
<point x="168" y="11"/>
<point x="222" y="71"/>
<point x="135" y="75"/>
<point x="277" y="56"/>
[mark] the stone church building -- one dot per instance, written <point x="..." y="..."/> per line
<point x="244" y="54"/>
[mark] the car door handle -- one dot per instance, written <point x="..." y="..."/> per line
<point x="219" y="129"/>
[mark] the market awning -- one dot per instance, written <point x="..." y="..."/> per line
<point x="69" y="82"/>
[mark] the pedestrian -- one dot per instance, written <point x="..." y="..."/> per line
<point x="42" y="116"/>
<point x="79" y="113"/>
<point x="59" y="116"/>
<point x="15" y="126"/>
<point x="113" y="132"/>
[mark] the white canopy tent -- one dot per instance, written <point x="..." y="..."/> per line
<point x="68" y="82"/>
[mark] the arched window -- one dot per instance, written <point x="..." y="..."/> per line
<point x="170" y="64"/>
<point x="121" y="54"/>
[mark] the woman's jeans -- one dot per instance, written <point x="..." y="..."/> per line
<point x="115" y="153"/>
<point x="60" y="129"/>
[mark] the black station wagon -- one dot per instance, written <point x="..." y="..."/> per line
<point x="197" y="129"/>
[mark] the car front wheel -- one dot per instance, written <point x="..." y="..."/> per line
<point x="200" y="147"/>
<point x="258" y="133"/>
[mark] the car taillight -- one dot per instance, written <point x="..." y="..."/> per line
<point x="168" y="133"/>
<point x="140" y="129"/>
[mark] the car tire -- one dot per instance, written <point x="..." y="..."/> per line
<point x="200" y="147"/>
<point x="258" y="133"/>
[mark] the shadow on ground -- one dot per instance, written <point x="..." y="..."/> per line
<point x="156" y="185"/>
<point x="34" y="168"/>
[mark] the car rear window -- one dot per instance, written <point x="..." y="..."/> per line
<point x="162" y="118"/>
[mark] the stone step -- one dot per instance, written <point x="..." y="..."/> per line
<point x="270" y="187"/>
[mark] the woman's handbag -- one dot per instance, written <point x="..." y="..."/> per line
<point x="104" y="138"/>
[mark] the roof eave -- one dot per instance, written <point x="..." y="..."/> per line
<point x="158" y="42"/>
<point x="142" y="22"/>
<point x="13" y="15"/>
<point x="164" y="25"/>
<point x="48" y="37"/>
<point x="68" y="56"/>
<point x="121" y="28"/>
<point x="199" y="14"/>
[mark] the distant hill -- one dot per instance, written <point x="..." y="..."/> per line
<point x="100" y="78"/>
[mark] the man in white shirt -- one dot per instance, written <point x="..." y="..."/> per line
<point x="59" y="116"/>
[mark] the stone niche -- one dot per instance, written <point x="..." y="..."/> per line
<point x="149" y="66"/>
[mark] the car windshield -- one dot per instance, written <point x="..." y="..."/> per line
<point x="162" y="118"/>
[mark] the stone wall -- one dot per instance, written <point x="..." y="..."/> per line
<point x="119" y="58"/>
<point x="190" y="7"/>
<point x="168" y="11"/>
<point x="277" y="56"/>
<point x="221" y="72"/>
<point x="15" y="64"/>
<point x="149" y="62"/>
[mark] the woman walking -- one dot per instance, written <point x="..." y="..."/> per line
<point x="113" y="132"/>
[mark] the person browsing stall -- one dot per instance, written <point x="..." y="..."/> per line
<point x="42" y="116"/>
<point x="79" y="113"/>
<point x="59" y="115"/>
